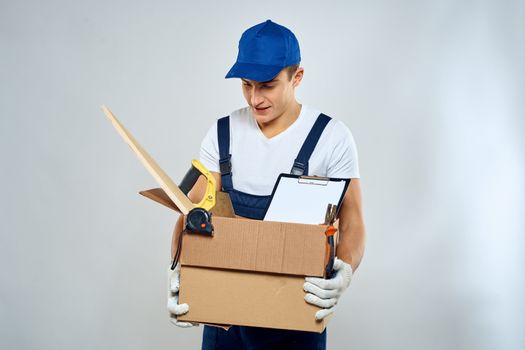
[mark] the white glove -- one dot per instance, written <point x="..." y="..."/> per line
<point x="325" y="293"/>
<point x="175" y="309"/>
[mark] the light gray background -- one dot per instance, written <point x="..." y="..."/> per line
<point x="432" y="91"/>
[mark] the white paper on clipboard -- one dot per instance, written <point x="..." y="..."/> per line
<point x="300" y="199"/>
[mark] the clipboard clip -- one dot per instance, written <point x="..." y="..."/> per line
<point x="313" y="180"/>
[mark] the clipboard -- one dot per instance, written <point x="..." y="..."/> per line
<point x="303" y="199"/>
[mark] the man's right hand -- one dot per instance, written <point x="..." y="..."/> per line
<point x="175" y="309"/>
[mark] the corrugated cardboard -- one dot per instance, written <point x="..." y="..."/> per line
<point x="247" y="298"/>
<point x="262" y="246"/>
<point x="250" y="272"/>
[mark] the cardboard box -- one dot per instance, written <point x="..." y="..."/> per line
<point x="250" y="272"/>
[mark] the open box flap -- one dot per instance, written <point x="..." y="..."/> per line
<point x="223" y="205"/>
<point x="158" y="195"/>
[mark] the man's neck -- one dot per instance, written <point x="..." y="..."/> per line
<point x="281" y="123"/>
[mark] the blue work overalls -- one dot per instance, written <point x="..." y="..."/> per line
<point x="254" y="206"/>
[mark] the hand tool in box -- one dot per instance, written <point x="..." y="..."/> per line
<point x="168" y="185"/>
<point x="329" y="219"/>
<point x="198" y="219"/>
<point x="198" y="216"/>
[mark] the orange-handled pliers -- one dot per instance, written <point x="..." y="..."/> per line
<point x="331" y="211"/>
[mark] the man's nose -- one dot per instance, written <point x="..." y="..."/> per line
<point x="256" y="97"/>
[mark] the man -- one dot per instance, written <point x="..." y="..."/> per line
<point x="248" y="150"/>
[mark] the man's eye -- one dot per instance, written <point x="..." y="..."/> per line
<point x="268" y="86"/>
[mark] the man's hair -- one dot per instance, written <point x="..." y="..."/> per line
<point x="291" y="70"/>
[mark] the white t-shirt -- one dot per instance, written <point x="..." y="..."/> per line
<point x="257" y="160"/>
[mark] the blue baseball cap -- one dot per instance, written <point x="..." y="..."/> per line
<point x="264" y="50"/>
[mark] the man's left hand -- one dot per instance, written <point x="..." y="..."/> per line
<point x="325" y="293"/>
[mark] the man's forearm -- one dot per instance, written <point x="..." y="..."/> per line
<point x="351" y="245"/>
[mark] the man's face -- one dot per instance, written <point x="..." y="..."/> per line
<point x="270" y="100"/>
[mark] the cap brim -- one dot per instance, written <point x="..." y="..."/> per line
<point x="252" y="71"/>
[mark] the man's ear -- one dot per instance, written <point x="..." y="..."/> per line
<point x="298" y="76"/>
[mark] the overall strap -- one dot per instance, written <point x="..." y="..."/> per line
<point x="300" y="165"/>
<point x="223" y="137"/>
